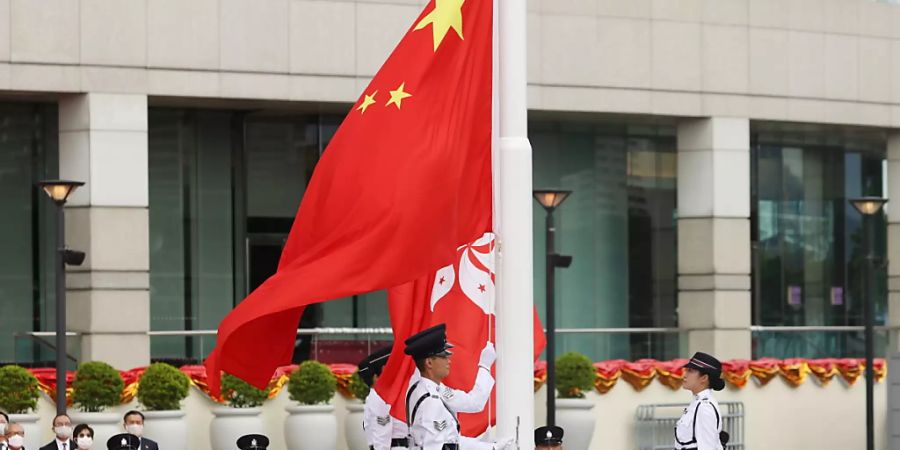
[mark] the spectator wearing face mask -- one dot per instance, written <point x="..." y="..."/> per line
<point x="134" y="424"/>
<point x="4" y="422"/>
<point x="62" y="428"/>
<point x="84" y="436"/>
<point x="15" y="436"/>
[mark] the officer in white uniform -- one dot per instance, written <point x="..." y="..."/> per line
<point x="700" y="427"/>
<point x="432" y="407"/>
<point x="383" y="432"/>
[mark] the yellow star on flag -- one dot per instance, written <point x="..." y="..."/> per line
<point x="398" y="95"/>
<point x="446" y="14"/>
<point x="368" y="100"/>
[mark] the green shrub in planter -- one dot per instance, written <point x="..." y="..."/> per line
<point x="312" y="383"/>
<point x="358" y="387"/>
<point x="240" y="394"/>
<point x="162" y="388"/>
<point x="97" y="386"/>
<point x="19" y="390"/>
<point x="575" y="374"/>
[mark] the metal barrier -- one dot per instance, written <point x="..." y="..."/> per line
<point x="655" y="425"/>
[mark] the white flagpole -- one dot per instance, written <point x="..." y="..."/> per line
<point x="513" y="211"/>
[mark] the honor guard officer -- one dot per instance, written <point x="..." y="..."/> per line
<point x="432" y="407"/>
<point x="123" y="441"/>
<point x="700" y="427"/>
<point x="253" y="442"/>
<point x="383" y="432"/>
<point x="548" y="438"/>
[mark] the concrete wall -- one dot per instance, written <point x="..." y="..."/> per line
<point x="830" y="417"/>
<point x="799" y="60"/>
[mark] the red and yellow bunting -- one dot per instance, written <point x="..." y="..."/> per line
<point x="639" y="374"/>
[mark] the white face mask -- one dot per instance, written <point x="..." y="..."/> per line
<point x="2" y="428"/>
<point x="16" y="441"/>
<point x="135" y="429"/>
<point x="64" y="432"/>
<point x="84" y="443"/>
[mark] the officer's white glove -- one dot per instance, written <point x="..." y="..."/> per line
<point x="488" y="356"/>
<point x="505" y="444"/>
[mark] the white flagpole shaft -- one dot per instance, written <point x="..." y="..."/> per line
<point x="515" y="340"/>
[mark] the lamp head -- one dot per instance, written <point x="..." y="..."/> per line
<point x="550" y="199"/>
<point x="59" y="190"/>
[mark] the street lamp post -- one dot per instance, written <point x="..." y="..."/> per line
<point x="59" y="191"/>
<point x="550" y="199"/>
<point x="869" y="207"/>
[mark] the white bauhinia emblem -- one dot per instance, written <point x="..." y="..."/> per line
<point x="476" y="272"/>
<point x="444" y="280"/>
<point x="475" y="275"/>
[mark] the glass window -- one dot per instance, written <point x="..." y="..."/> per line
<point x="224" y="189"/>
<point x="618" y="225"/>
<point x="191" y="220"/>
<point x="807" y="238"/>
<point x="28" y="153"/>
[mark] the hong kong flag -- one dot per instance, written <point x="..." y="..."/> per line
<point x="460" y="295"/>
<point x="405" y="182"/>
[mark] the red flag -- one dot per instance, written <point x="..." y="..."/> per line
<point x="405" y="181"/>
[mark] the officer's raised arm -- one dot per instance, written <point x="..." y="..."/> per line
<point x="474" y="400"/>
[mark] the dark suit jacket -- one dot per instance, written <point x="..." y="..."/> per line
<point x="149" y="444"/>
<point x="52" y="445"/>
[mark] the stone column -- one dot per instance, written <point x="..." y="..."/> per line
<point x="714" y="236"/>
<point x="103" y="142"/>
<point x="892" y="210"/>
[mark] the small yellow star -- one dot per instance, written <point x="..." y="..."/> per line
<point x="367" y="101"/>
<point x="398" y="95"/>
<point x="446" y="14"/>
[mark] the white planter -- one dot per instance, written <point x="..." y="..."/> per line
<point x="310" y="427"/>
<point x="574" y="415"/>
<point x="353" y="426"/>
<point x="105" y="425"/>
<point x="231" y="423"/>
<point x="33" y="431"/>
<point x="167" y="428"/>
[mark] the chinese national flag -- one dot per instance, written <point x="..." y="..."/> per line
<point x="404" y="183"/>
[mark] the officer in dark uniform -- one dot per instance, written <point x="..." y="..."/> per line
<point x="700" y="427"/>
<point x="432" y="407"/>
<point x="253" y="442"/>
<point x="548" y="438"/>
<point x="123" y="441"/>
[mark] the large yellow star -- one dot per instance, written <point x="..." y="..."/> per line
<point x="368" y="100"/>
<point x="398" y="95"/>
<point x="446" y="14"/>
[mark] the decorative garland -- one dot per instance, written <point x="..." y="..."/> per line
<point x="639" y="374"/>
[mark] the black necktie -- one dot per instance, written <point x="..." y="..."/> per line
<point x="64" y="446"/>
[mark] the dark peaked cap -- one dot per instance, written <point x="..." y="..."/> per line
<point x="429" y="342"/>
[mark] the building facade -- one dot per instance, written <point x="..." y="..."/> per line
<point x="711" y="146"/>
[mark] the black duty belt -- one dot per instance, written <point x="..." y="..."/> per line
<point x="403" y="442"/>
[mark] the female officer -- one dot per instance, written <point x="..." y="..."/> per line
<point x="700" y="428"/>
